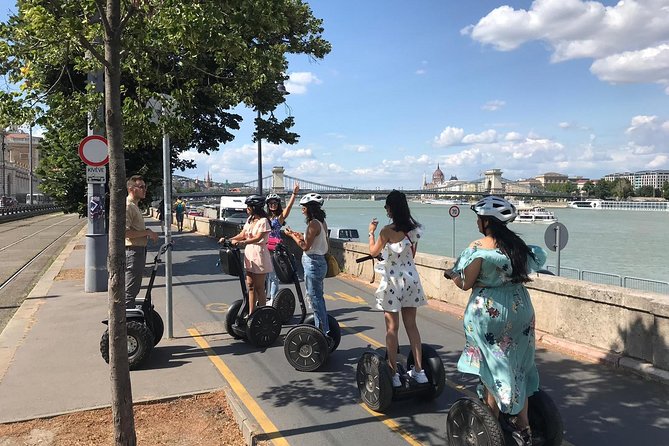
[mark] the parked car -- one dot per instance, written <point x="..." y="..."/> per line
<point x="194" y="212"/>
<point x="6" y="202"/>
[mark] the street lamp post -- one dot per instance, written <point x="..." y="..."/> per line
<point x="281" y="88"/>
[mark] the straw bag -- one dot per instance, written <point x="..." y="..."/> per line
<point x="333" y="266"/>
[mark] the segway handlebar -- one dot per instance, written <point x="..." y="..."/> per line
<point x="162" y="250"/>
<point x="368" y="257"/>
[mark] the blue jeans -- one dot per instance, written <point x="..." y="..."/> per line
<point x="272" y="285"/>
<point x="315" y="268"/>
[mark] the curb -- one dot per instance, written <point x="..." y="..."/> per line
<point x="580" y="351"/>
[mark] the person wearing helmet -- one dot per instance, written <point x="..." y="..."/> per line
<point x="277" y="218"/>
<point x="253" y="238"/>
<point x="499" y="317"/>
<point x="400" y="289"/>
<point x="314" y="243"/>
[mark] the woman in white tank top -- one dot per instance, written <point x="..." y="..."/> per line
<point x="314" y="243"/>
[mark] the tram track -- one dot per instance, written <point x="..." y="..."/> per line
<point x="26" y="251"/>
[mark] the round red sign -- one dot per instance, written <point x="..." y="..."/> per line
<point x="454" y="211"/>
<point x="93" y="150"/>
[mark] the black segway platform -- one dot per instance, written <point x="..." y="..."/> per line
<point x="470" y="422"/>
<point x="374" y="378"/>
<point x="261" y="328"/>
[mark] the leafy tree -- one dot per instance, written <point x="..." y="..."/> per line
<point x="647" y="191"/>
<point x="201" y="58"/>
<point x="621" y="188"/>
<point x="665" y="190"/>
<point x="589" y="187"/>
<point x="564" y="188"/>
<point x="602" y="189"/>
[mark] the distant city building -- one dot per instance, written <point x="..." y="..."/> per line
<point x="652" y="178"/>
<point x="551" y="178"/>
<point x="15" y="173"/>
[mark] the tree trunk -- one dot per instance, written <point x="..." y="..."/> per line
<point x="122" y="412"/>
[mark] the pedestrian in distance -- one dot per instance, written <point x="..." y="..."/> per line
<point x="400" y="289"/>
<point x="137" y="237"/>
<point x="499" y="317"/>
<point x="180" y="210"/>
<point x="161" y="215"/>
<point x="253" y="238"/>
<point x="314" y="243"/>
<point x="277" y="219"/>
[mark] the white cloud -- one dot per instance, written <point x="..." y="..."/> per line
<point x="513" y="136"/>
<point x="564" y="125"/>
<point x="297" y="153"/>
<point x="659" y="162"/>
<point x="648" y="131"/>
<point x="485" y="137"/>
<point x="450" y="136"/>
<point x="298" y="82"/>
<point x="421" y="71"/>
<point x="493" y="105"/>
<point x="626" y="40"/>
<point x="361" y="148"/>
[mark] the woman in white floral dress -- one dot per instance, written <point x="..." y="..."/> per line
<point x="400" y="289"/>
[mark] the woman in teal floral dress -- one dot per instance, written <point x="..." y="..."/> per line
<point x="499" y="318"/>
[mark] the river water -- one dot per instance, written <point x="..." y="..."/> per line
<point x="626" y="243"/>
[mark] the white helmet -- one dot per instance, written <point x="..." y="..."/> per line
<point x="272" y="197"/>
<point x="312" y="198"/>
<point x="496" y="207"/>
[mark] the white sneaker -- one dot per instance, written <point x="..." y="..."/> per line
<point x="420" y="377"/>
<point x="396" y="380"/>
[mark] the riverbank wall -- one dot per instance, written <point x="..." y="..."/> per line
<point x="618" y="326"/>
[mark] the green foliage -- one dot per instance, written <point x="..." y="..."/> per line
<point x="567" y="187"/>
<point x="647" y="191"/>
<point x="665" y="190"/>
<point x="200" y="58"/>
<point x="621" y="188"/>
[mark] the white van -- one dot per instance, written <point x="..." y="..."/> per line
<point x="233" y="209"/>
<point x="350" y="235"/>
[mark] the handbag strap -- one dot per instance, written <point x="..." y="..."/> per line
<point x="413" y="247"/>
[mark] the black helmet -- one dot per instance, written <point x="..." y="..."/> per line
<point x="255" y="200"/>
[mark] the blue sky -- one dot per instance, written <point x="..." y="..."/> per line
<point x="568" y="86"/>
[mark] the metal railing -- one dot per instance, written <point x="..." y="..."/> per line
<point x="636" y="283"/>
<point x="17" y="212"/>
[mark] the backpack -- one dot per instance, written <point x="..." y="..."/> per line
<point x="180" y="208"/>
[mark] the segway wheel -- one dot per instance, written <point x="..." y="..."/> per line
<point x="434" y="369"/>
<point x="545" y="420"/>
<point x="157" y="326"/>
<point x="471" y="423"/>
<point x="335" y="330"/>
<point x="140" y="343"/>
<point x="374" y="382"/>
<point x="264" y="326"/>
<point x="284" y="302"/>
<point x="306" y="348"/>
<point x="104" y="346"/>
<point x="230" y="318"/>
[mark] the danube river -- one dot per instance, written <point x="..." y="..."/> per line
<point x="626" y="243"/>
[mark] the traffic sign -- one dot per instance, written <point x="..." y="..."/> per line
<point x="96" y="175"/>
<point x="93" y="150"/>
<point x="454" y="211"/>
<point x="556" y="236"/>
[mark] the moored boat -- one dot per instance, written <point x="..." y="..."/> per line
<point x="536" y="214"/>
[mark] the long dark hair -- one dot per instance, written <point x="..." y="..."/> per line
<point x="314" y="211"/>
<point x="396" y="202"/>
<point x="512" y="246"/>
<point x="258" y="211"/>
<point x="279" y="209"/>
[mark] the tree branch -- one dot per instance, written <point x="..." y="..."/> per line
<point x="100" y="58"/>
<point x="103" y="17"/>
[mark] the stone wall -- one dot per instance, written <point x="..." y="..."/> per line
<point x="620" y="322"/>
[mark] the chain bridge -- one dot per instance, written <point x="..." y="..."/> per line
<point x="280" y="183"/>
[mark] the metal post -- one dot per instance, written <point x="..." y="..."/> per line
<point x="30" y="149"/>
<point x="453" y="237"/>
<point x="259" y="155"/>
<point x="2" y="133"/>
<point x="557" y="247"/>
<point x="95" y="274"/>
<point x="167" y="219"/>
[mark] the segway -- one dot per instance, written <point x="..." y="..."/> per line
<point x="470" y="422"/>
<point x="305" y="346"/>
<point x="375" y="384"/>
<point x="144" y="325"/>
<point x="263" y="326"/>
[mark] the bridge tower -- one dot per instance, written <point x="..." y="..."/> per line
<point x="492" y="181"/>
<point x="278" y="184"/>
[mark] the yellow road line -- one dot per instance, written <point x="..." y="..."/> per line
<point x="352" y="299"/>
<point x="239" y="389"/>
<point x="393" y="426"/>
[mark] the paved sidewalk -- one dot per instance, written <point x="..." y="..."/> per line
<point x="50" y="361"/>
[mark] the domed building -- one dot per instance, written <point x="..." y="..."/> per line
<point x="438" y="180"/>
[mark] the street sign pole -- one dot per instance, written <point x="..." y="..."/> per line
<point x="96" y="275"/>
<point x="454" y="211"/>
<point x="556" y="237"/>
<point x="167" y="216"/>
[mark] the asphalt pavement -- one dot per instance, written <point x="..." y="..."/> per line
<point x="50" y="364"/>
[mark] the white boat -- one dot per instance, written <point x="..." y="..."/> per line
<point x="536" y="214"/>
<point x="585" y="204"/>
<point x="445" y="202"/>
<point x="620" y="205"/>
